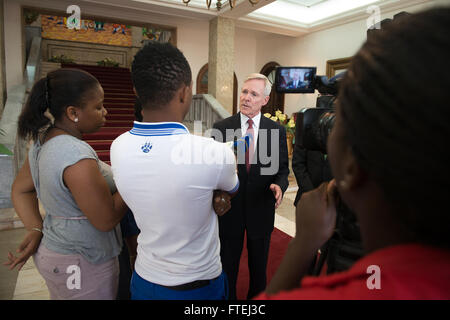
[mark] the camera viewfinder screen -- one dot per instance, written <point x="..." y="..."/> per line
<point x="295" y="79"/>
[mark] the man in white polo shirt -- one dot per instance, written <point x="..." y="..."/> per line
<point x="167" y="178"/>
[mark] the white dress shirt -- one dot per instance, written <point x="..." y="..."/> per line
<point x="244" y="126"/>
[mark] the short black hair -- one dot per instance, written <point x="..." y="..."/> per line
<point x="158" y="70"/>
<point x="395" y="108"/>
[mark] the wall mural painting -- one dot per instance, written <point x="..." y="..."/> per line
<point x="55" y="27"/>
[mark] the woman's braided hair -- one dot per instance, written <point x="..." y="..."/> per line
<point x="395" y="104"/>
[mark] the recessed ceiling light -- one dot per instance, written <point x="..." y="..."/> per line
<point x="290" y="10"/>
<point x="306" y="3"/>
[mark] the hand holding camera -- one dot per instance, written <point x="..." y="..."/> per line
<point x="316" y="215"/>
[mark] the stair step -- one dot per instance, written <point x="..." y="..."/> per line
<point x="120" y="116"/>
<point x="119" y="100"/>
<point x="121" y="111"/>
<point x="109" y="75"/>
<point x="120" y="105"/>
<point x="100" y="145"/>
<point x="105" y="81"/>
<point x="115" y="85"/>
<point x="113" y="90"/>
<point x="103" y="155"/>
<point x="106" y="133"/>
<point x="129" y="95"/>
<point x="97" y="68"/>
<point x="118" y="123"/>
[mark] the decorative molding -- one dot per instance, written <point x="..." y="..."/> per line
<point x="86" y="53"/>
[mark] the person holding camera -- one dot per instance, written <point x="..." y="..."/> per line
<point x="311" y="168"/>
<point x="384" y="115"/>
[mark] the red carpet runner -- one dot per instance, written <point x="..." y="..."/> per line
<point x="119" y="102"/>
<point x="278" y="246"/>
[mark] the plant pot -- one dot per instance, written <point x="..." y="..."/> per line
<point x="290" y="145"/>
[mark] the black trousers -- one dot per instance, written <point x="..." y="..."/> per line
<point x="258" y="254"/>
<point x="123" y="292"/>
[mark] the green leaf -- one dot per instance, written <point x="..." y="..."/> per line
<point x="5" y="150"/>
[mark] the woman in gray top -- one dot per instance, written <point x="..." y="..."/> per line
<point x="75" y="248"/>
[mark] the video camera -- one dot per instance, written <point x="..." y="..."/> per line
<point x="315" y="124"/>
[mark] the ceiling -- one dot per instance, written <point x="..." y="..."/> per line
<point x="285" y="17"/>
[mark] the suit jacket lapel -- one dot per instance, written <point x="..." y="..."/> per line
<point x="237" y="121"/>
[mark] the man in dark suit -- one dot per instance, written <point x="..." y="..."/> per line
<point x="311" y="168"/>
<point x="295" y="81"/>
<point x="263" y="180"/>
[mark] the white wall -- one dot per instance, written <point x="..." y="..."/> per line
<point x="244" y="55"/>
<point x="316" y="48"/>
<point x="192" y="40"/>
<point x="13" y="43"/>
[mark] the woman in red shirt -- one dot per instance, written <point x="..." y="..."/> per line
<point x="388" y="152"/>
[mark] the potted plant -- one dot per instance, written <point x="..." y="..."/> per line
<point x="107" y="62"/>
<point x="62" y="58"/>
<point x="288" y="124"/>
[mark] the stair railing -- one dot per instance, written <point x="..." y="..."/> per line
<point x="16" y="99"/>
<point x="205" y="108"/>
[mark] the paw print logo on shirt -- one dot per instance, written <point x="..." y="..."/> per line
<point x="146" y="147"/>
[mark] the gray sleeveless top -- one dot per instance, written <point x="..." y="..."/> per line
<point x="66" y="228"/>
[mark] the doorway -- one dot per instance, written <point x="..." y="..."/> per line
<point x="202" y="85"/>
<point x="276" y="101"/>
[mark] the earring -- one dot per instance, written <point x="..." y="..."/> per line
<point x="75" y="120"/>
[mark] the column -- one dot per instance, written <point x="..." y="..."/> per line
<point x="221" y="61"/>
<point x="136" y="43"/>
<point x="2" y="61"/>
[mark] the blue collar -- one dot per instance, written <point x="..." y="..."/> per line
<point x="158" y="128"/>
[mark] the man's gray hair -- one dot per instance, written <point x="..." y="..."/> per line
<point x="267" y="84"/>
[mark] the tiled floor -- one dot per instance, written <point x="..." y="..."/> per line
<point x="29" y="285"/>
<point x="9" y="241"/>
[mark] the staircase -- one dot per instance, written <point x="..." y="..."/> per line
<point x="119" y="102"/>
